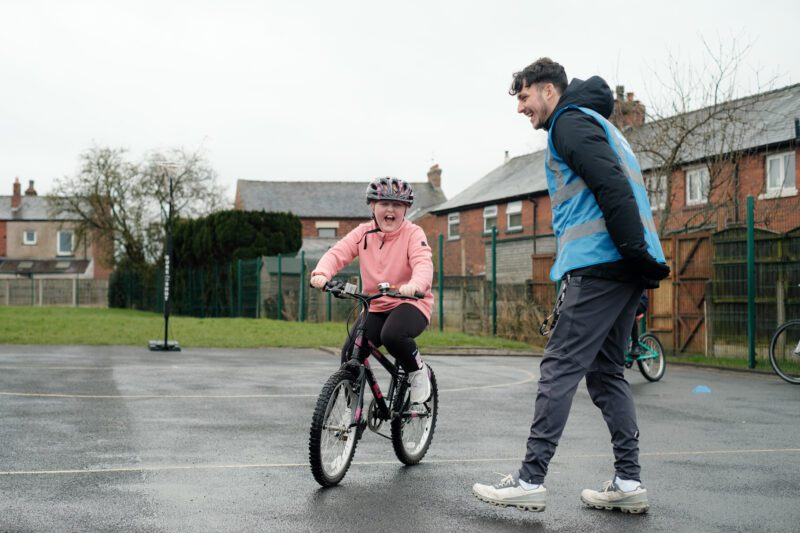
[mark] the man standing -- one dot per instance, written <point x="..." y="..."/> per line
<point x="608" y="252"/>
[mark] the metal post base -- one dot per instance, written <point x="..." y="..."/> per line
<point x="160" y="346"/>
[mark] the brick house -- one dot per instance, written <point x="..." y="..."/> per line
<point x="35" y="243"/>
<point x="514" y="198"/>
<point x="328" y="210"/>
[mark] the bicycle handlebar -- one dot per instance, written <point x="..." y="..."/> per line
<point x="347" y="290"/>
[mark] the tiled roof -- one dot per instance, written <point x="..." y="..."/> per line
<point x="324" y="199"/>
<point x="772" y="114"/>
<point x="520" y="176"/>
<point x="759" y="120"/>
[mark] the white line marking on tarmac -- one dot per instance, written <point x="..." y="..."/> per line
<point x="373" y="463"/>
<point x="531" y="377"/>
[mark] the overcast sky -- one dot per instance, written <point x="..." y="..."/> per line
<point x="334" y="90"/>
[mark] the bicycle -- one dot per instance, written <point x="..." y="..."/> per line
<point x="339" y="419"/>
<point x="652" y="363"/>
<point x="784" y="351"/>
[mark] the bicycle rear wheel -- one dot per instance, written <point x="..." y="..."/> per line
<point x="784" y="351"/>
<point x="652" y="368"/>
<point x="332" y="442"/>
<point x="412" y="431"/>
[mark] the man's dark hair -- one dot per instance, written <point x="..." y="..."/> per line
<point x="543" y="70"/>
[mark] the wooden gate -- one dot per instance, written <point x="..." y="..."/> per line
<point x="543" y="289"/>
<point x="691" y="262"/>
<point x="660" y="310"/>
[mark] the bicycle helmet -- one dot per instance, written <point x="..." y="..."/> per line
<point x="391" y="189"/>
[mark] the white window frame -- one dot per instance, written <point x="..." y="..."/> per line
<point x="453" y="219"/>
<point x="657" y="191"/>
<point x="702" y="192"/>
<point x="489" y="213"/>
<point x="29" y="242"/>
<point x="71" y="251"/>
<point x="782" y="189"/>
<point x="513" y="208"/>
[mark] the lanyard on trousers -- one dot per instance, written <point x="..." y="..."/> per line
<point x="549" y="323"/>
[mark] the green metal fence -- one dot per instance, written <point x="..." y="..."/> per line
<point x="227" y="290"/>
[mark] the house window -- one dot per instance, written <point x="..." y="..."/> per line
<point x="327" y="228"/>
<point x="514" y="215"/>
<point x="697" y="184"/>
<point x="453" y="220"/>
<point x="780" y="173"/>
<point x="489" y="218"/>
<point x="66" y="242"/>
<point x="657" y="192"/>
<point x="29" y="237"/>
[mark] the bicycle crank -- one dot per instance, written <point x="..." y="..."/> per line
<point x="374" y="420"/>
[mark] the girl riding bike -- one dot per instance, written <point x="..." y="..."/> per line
<point x="390" y="249"/>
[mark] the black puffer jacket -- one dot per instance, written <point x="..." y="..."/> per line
<point x="582" y="143"/>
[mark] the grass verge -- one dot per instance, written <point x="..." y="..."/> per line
<point x="87" y="326"/>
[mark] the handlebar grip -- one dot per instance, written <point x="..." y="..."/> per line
<point x="419" y="295"/>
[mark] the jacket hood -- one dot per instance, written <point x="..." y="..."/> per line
<point x="593" y="93"/>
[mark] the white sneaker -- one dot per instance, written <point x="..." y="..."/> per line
<point x="612" y="497"/>
<point x="509" y="493"/>
<point x="420" y="382"/>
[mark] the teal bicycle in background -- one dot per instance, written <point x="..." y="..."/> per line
<point x="649" y="356"/>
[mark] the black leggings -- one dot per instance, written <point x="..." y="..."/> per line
<point x="396" y="329"/>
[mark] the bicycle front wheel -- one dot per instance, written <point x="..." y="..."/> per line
<point x="332" y="442"/>
<point x="412" y="430"/>
<point x="784" y="351"/>
<point x="653" y="364"/>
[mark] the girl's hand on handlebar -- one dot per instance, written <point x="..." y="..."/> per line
<point x="409" y="289"/>
<point x="318" y="281"/>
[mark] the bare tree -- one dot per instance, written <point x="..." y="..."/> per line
<point x="124" y="204"/>
<point x="703" y="127"/>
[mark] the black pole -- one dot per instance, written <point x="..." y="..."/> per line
<point x="167" y="346"/>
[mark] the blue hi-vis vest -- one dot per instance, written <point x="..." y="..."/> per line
<point x="581" y="236"/>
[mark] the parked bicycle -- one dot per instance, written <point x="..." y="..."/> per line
<point x="650" y="358"/>
<point x="784" y="351"/>
<point x="339" y="417"/>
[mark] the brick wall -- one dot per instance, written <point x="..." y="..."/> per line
<point x="3" y="238"/>
<point x="466" y="255"/>
<point x="727" y="206"/>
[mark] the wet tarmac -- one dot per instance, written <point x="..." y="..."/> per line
<point x="119" y="438"/>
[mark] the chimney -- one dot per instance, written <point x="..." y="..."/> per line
<point x="435" y="176"/>
<point x="628" y="111"/>
<point x="30" y="191"/>
<point x="16" y="199"/>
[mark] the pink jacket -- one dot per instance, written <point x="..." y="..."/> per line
<point x="400" y="257"/>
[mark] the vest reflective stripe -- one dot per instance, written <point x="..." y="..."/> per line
<point x="595" y="226"/>
<point x="581" y="234"/>
<point x="567" y="191"/>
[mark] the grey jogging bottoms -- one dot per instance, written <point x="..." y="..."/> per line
<point x="589" y="339"/>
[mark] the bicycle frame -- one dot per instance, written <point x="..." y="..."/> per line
<point x="362" y="349"/>
<point x="649" y="354"/>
